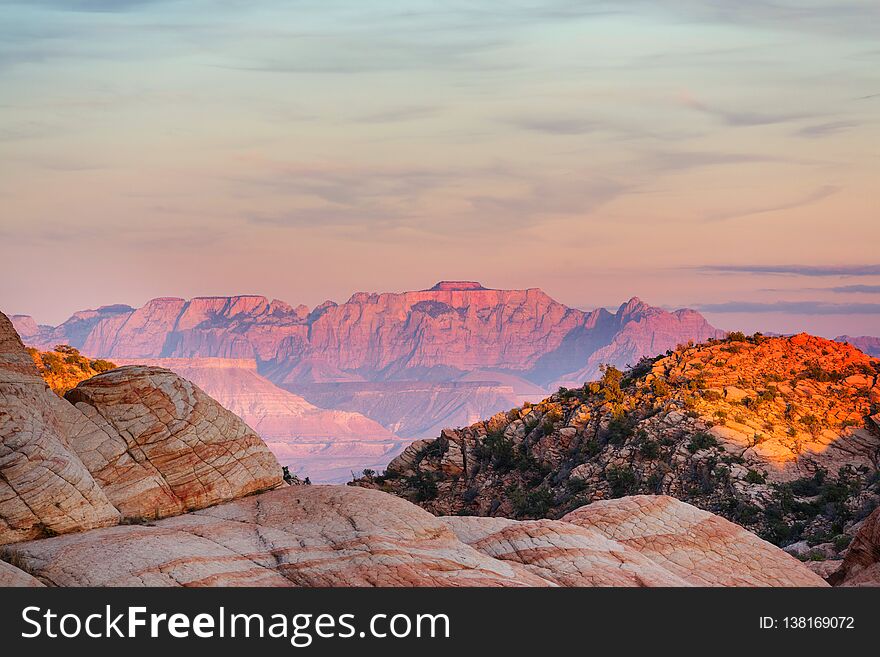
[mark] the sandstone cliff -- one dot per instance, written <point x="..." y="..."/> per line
<point x="131" y="443"/>
<point x="414" y="361"/>
<point x="870" y="345"/>
<point x="171" y="448"/>
<point x="45" y="488"/>
<point x="780" y="435"/>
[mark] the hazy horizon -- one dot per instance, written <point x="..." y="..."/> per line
<point x="694" y="154"/>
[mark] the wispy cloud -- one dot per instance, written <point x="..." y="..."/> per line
<point x="795" y="270"/>
<point x="792" y="308"/>
<point x="553" y="195"/>
<point x="840" y="289"/>
<point x="399" y="114"/>
<point x="826" y="129"/>
<point x="808" y="199"/>
<point x="96" y="6"/>
<point x="856" y="289"/>
<point x="843" y="17"/>
<point x="684" y="160"/>
<point x="558" y="126"/>
<point x="743" y="118"/>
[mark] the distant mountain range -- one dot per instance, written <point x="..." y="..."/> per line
<point x="415" y="362"/>
<point x="869" y="345"/>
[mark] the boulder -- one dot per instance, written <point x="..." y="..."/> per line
<point x="169" y="447"/>
<point x="12" y="577"/>
<point x="45" y="488"/>
<point x="861" y="565"/>
<point x="701" y="548"/>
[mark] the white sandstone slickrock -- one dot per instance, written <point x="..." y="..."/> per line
<point x="45" y="488"/>
<point x="174" y="449"/>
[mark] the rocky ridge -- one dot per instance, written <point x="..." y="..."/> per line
<point x="780" y="435"/>
<point x="450" y="354"/>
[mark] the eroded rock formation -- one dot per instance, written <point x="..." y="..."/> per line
<point x="561" y="552"/>
<point x="414" y="361"/>
<point x="349" y="536"/>
<point x="861" y="566"/>
<point x="10" y="576"/>
<point x="701" y="548"/>
<point x="45" y="488"/>
<point x="172" y="448"/>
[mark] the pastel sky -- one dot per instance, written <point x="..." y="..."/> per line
<point x="714" y="154"/>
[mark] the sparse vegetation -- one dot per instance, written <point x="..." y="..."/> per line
<point x="622" y="481"/>
<point x="64" y="367"/>
<point x="613" y="446"/>
<point x="701" y="440"/>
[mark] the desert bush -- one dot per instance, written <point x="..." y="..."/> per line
<point x="623" y="481"/>
<point x="701" y="440"/>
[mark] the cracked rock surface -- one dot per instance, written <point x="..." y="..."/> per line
<point x="562" y="552"/>
<point x="700" y="547"/>
<point x="45" y="488"/>
<point x="295" y="536"/>
<point x="169" y="448"/>
<point x="350" y="536"/>
<point x="12" y="576"/>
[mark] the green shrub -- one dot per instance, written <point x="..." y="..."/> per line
<point x="711" y="395"/>
<point x="755" y="477"/>
<point x="497" y="450"/>
<point x="640" y="369"/>
<point x="655" y="481"/>
<point x="610" y="382"/>
<point x="424" y="486"/>
<point x="576" y="485"/>
<point x="660" y="387"/>
<point x="701" y="440"/>
<point x="623" y="481"/>
<point x="534" y="504"/>
<point x="841" y="542"/>
<point x="649" y="449"/>
<point x="620" y="429"/>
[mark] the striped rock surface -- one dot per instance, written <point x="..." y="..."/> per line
<point x="294" y="536"/>
<point x="561" y="552"/>
<point x="351" y="536"/>
<point x="45" y="488"/>
<point x="172" y="448"/>
<point x="701" y="548"/>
